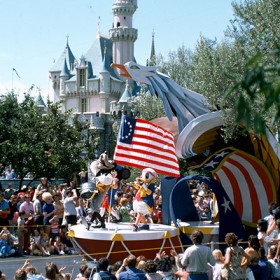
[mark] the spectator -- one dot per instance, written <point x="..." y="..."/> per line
<point x="8" y="174"/>
<point x="52" y="272"/>
<point x="262" y="228"/>
<point x="115" y="267"/>
<point x="2" y="275"/>
<point x="180" y="272"/>
<point x="219" y="262"/>
<point x="205" y="215"/>
<point x="30" y="191"/>
<point x="35" y="244"/>
<point x="45" y="245"/>
<point x="9" y="191"/>
<point x="271" y="258"/>
<point x="20" y="274"/>
<point x="59" y="247"/>
<point x="253" y="252"/>
<point x="82" y="270"/>
<point x="150" y="270"/>
<point x="197" y="257"/>
<point x="70" y="207"/>
<point x="66" y="240"/>
<point x="38" y="213"/>
<point x="89" y="272"/>
<point x="103" y="273"/>
<point x="48" y="211"/>
<point x="43" y="186"/>
<point x="165" y="268"/>
<point x="13" y="210"/>
<point x="33" y="274"/>
<point x="128" y="270"/>
<point x="20" y="200"/>
<point x="233" y="257"/>
<point x="265" y="266"/>
<point x="5" y="244"/>
<point x="4" y="211"/>
<point x="59" y="207"/>
<point x="124" y="213"/>
<point x="21" y="231"/>
<point x="28" y="209"/>
<point x="54" y="227"/>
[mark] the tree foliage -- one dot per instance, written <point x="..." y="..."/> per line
<point x="147" y="107"/>
<point x="40" y="144"/>
<point x="245" y="54"/>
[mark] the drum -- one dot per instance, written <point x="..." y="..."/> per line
<point x="87" y="189"/>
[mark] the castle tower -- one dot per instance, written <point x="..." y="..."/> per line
<point x="123" y="35"/>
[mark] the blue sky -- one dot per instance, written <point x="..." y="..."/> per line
<point x="33" y="32"/>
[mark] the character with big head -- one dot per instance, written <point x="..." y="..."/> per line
<point x="143" y="201"/>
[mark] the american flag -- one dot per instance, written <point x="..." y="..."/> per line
<point x="142" y="144"/>
<point x="246" y="181"/>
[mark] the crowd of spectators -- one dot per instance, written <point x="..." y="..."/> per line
<point x="33" y="225"/>
<point x="34" y="221"/>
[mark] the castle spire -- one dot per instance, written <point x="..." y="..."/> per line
<point x="152" y="60"/>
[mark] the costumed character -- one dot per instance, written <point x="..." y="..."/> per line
<point x="143" y="201"/>
<point x="106" y="176"/>
<point x="103" y="184"/>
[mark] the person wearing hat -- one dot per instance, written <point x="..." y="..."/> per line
<point x="4" y="211"/>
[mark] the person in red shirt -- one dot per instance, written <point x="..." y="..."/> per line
<point x="4" y="211"/>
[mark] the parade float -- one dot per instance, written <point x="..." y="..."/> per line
<point x="243" y="175"/>
<point x="116" y="240"/>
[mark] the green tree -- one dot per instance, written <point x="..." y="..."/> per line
<point x="40" y="144"/>
<point x="258" y="95"/>
<point x="255" y="92"/>
<point x="147" y="107"/>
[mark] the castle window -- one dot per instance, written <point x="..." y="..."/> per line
<point x="118" y="24"/>
<point x="83" y="105"/>
<point x="82" y="77"/>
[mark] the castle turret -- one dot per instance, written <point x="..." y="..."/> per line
<point x="57" y="68"/>
<point x="123" y="35"/>
<point x="64" y="76"/>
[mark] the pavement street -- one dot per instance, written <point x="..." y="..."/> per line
<point x="10" y="265"/>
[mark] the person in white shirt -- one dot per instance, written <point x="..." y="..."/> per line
<point x="197" y="257"/>
<point x="70" y="207"/>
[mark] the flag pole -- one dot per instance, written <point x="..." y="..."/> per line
<point x="12" y="80"/>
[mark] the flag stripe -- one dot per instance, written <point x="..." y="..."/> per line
<point x="151" y="145"/>
<point x="147" y="148"/>
<point x="156" y="156"/>
<point x="143" y="144"/>
<point x="160" y="170"/>
<point x="150" y="160"/>
<point x="166" y="136"/>
<point x="256" y="214"/>
<point x="264" y="177"/>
